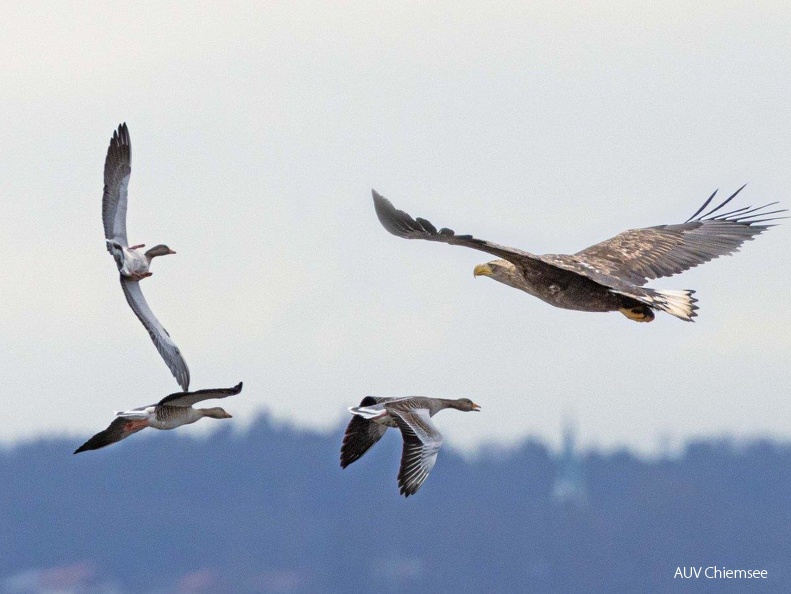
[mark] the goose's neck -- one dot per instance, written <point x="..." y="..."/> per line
<point x="441" y="404"/>
<point x="158" y="250"/>
<point x="151" y="254"/>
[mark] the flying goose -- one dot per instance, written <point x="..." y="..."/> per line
<point x="608" y="276"/>
<point x="412" y="415"/>
<point x="132" y="263"/>
<point x="170" y="412"/>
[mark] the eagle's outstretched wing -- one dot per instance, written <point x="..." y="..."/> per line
<point x="638" y="255"/>
<point x="403" y="225"/>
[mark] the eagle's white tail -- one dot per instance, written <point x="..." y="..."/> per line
<point x="677" y="303"/>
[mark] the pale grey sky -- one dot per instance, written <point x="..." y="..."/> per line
<point x="258" y="130"/>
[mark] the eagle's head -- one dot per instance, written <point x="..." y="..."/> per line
<point x="500" y="270"/>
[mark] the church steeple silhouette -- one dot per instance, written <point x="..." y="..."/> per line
<point x="569" y="487"/>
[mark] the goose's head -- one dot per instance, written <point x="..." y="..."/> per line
<point x="500" y="270"/>
<point x="466" y="405"/>
<point x="158" y="250"/>
<point x="215" y="413"/>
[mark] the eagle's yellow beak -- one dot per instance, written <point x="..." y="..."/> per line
<point x="482" y="270"/>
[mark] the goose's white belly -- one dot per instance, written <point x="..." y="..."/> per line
<point x="134" y="263"/>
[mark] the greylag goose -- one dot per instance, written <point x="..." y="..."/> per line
<point x="170" y="412"/>
<point x="132" y="263"/>
<point x="608" y="276"/>
<point x="412" y="415"/>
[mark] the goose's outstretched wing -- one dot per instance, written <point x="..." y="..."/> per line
<point x="361" y="434"/>
<point x="119" y="429"/>
<point x="638" y="255"/>
<point x="165" y="345"/>
<point x="421" y="445"/>
<point x="191" y="398"/>
<point x="117" y="169"/>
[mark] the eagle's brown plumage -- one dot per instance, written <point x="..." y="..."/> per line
<point x="607" y="276"/>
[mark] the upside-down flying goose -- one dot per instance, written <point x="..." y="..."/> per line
<point x="133" y="264"/>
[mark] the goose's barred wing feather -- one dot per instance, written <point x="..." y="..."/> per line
<point x="637" y="255"/>
<point x="422" y="442"/>
<point x="187" y="399"/>
<point x="117" y="169"/>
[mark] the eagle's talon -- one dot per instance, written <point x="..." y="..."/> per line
<point x="640" y="313"/>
